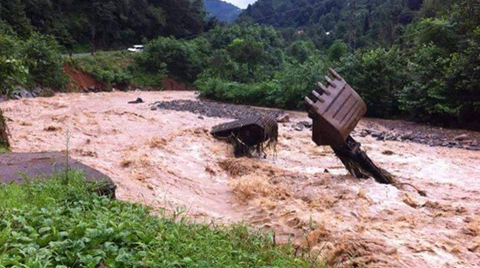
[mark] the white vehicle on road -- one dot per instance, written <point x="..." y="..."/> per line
<point x="136" y="48"/>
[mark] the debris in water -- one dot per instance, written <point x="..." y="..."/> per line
<point x="283" y="118"/>
<point x="138" y="100"/>
<point x="249" y="135"/>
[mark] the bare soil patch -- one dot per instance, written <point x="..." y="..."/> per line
<point x="81" y="80"/>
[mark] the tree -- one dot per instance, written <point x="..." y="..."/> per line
<point x="13" y="12"/>
<point x="378" y="76"/>
<point x="337" y="51"/>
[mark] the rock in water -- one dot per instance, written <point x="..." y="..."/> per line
<point x="461" y="137"/>
<point x="138" y="100"/>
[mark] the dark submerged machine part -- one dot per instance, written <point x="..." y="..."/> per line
<point x="249" y="136"/>
<point x="335" y="113"/>
<point x="358" y="163"/>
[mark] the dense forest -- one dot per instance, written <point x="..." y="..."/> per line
<point x="104" y="23"/>
<point x="357" y="22"/>
<point x="407" y="58"/>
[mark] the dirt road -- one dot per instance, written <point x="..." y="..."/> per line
<point x="167" y="159"/>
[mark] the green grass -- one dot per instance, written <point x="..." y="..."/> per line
<point x="117" y="67"/>
<point x="59" y="224"/>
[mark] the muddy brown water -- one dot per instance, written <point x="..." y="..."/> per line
<point x="168" y="160"/>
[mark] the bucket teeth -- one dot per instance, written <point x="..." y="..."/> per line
<point x="318" y="96"/>
<point x="323" y="88"/>
<point x="330" y="82"/>
<point x="309" y="101"/>
<point x="335" y="74"/>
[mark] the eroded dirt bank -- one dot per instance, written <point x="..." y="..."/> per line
<point x="167" y="159"/>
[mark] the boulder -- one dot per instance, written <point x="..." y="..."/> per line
<point x="461" y="137"/>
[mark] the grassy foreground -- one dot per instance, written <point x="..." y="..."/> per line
<point x="59" y="224"/>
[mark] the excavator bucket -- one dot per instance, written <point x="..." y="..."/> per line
<point x="335" y="113"/>
<point x="336" y="110"/>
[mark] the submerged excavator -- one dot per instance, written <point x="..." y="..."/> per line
<point x="335" y="110"/>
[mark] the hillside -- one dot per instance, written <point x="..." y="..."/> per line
<point x="108" y="23"/>
<point x="375" y="21"/>
<point x="223" y="11"/>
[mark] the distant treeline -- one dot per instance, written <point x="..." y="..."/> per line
<point x="357" y="22"/>
<point x="104" y="23"/>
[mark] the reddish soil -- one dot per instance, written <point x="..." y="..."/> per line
<point x="174" y="85"/>
<point x="80" y="80"/>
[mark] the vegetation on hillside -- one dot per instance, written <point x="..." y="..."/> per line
<point x="59" y="224"/>
<point x="81" y="25"/>
<point x="428" y="72"/>
<point x="357" y="22"/>
<point x="28" y="62"/>
<point x="223" y="11"/>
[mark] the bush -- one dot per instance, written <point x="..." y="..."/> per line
<point x="286" y="90"/>
<point x="44" y="62"/>
<point x="337" y="51"/>
<point x="297" y="80"/>
<point x="30" y="62"/>
<point x="183" y="60"/>
<point x="54" y="224"/>
<point x="254" y="94"/>
<point x="302" y="50"/>
<point x="426" y="94"/>
<point x="13" y="73"/>
<point x="118" y="69"/>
